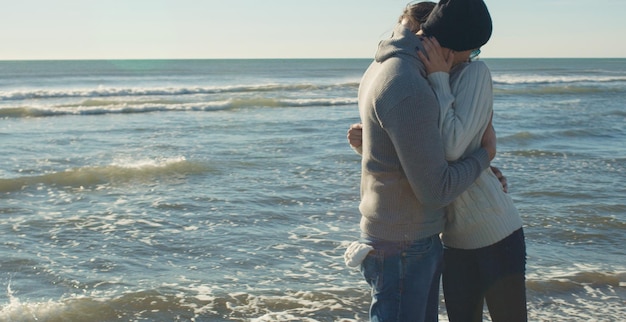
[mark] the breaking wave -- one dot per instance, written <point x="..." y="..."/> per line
<point x="114" y="173"/>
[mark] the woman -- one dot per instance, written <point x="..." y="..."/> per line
<point x="484" y="248"/>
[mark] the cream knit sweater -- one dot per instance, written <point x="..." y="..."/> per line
<point x="483" y="214"/>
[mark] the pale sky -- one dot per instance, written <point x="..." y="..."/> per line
<point x="181" y="29"/>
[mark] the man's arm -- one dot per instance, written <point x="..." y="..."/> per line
<point x="413" y="128"/>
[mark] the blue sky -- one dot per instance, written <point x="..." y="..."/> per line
<point x="136" y="29"/>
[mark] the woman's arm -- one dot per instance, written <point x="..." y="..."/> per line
<point x="465" y="112"/>
<point x="466" y="106"/>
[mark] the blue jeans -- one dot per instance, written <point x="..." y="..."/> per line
<point x="494" y="273"/>
<point x="404" y="277"/>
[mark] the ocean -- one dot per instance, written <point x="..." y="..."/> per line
<point x="225" y="190"/>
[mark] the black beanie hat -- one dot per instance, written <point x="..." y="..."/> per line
<point x="459" y="24"/>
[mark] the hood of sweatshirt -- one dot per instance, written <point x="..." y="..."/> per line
<point x="403" y="44"/>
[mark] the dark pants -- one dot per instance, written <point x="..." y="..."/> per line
<point x="495" y="273"/>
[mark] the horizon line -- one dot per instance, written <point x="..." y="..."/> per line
<point x="268" y="58"/>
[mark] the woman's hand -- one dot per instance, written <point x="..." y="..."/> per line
<point x="436" y="58"/>
<point x="355" y="135"/>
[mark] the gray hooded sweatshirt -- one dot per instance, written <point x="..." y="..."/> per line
<point x="406" y="181"/>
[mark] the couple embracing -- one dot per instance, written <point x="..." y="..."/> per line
<point x="426" y="142"/>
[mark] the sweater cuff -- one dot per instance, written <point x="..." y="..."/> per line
<point x="440" y="81"/>
<point x="482" y="156"/>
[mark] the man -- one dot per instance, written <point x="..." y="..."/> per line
<point x="406" y="181"/>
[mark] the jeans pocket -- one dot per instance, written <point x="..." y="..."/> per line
<point x="420" y="247"/>
<point x="372" y="268"/>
